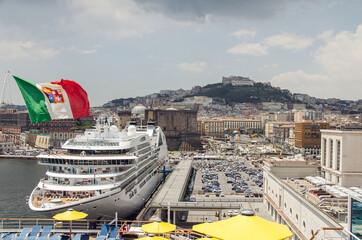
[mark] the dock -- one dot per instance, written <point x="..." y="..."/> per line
<point x="168" y="203"/>
<point x="25" y="157"/>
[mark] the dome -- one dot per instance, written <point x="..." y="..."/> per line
<point x="131" y="130"/>
<point x="113" y="129"/>
<point x="139" y="109"/>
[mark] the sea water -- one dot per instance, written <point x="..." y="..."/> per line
<point x="18" y="178"/>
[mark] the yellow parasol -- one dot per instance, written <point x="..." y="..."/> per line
<point x="69" y="216"/>
<point x="244" y="227"/>
<point x="158" y="227"/>
<point x="205" y="238"/>
<point x="152" y="238"/>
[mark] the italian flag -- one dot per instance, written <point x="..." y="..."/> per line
<point x="54" y="100"/>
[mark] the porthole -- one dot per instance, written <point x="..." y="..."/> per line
<point x="285" y="205"/>
<point x="312" y="232"/>
<point x="304" y="224"/>
<point x="296" y="216"/>
<point x="291" y="211"/>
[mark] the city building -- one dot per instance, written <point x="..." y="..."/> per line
<point x="214" y="128"/>
<point x="179" y="127"/>
<point x="248" y="125"/>
<point x="281" y="134"/>
<point x="269" y="128"/>
<point x="341" y="156"/>
<point x="308" y="136"/>
<point x="312" y="207"/>
<point x="237" y="81"/>
<point x="272" y="106"/>
<point x="123" y="118"/>
<point x="11" y="134"/>
<point x="200" y="127"/>
<point x="217" y="127"/>
<point x="6" y="147"/>
<point x="15" y="118"/>
<point x="42" y="141"/>
<point x="305" y="115"/>
<point x="59" y="130"/>
<point x="200" y="100"/>
<point x="299" y="106"/>
<point x="284" y="116"/>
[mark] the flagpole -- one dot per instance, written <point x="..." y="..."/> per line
<point x="70" y="230"/>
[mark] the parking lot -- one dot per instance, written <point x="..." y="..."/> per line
<point x="233" y="179"/>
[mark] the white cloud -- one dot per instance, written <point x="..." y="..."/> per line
<point x="85" y="51"/>
<point x="289" y="41"/>
<point x="342" y="55"/>
<point x="242" y="33"/>
<point x="340" y="59"/>
<point x="111" y="19"/>
<point x="268" y="66"/>
<point x="14" y="50"/>
<point x="193" y="67"/>
<point x="255" y="49"/>
<point x="326" y="35"/>
<point x="300" y="81"/>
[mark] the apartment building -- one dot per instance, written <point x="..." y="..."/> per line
<point x="341" y="156"/>
<point x="308" y="136"/>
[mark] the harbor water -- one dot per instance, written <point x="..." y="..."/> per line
<point x="18" y="177"/>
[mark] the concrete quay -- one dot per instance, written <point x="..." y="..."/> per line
<point x="168" y="202"/>
<point x="26" y="157"/>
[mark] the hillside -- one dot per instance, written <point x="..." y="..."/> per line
<point x="258" y="93"/>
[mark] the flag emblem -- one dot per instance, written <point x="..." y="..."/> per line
<point x="54" y="96"/>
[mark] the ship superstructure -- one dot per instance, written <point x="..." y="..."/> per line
<point x="102" y="171"/>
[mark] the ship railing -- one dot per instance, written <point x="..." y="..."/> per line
<point x="141" y="128"/>
<point x="17" y="224"/>
<point x="88" y="226"/>
<point x="328" y="233"/>
<point x="208" y="203"/>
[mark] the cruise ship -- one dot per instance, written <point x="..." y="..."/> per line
<point x="102" y="171"/>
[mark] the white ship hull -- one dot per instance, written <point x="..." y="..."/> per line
<point x="103" y="172"/>
<point x="106" y="205"/>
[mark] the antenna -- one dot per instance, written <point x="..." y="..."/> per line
<point x="2" y="102"/>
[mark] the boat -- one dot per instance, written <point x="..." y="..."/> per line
<point x="102" y="171"/>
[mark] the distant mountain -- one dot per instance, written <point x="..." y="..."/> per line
<point x="237" y="92"/>
<point x="221" y="93"/>
<point x="259" y="92"/>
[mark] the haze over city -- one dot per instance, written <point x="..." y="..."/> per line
<point x="127" y="48"/>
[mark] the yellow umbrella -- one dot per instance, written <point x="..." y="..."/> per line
<point x="244" y="227"/>
<point x="152" y="238"/>
<point x="69" y="216"/>
<point x="205" y="238"/>
<point x="158" y="227"/>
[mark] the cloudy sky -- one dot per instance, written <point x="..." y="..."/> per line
<point x="128" y="48"/>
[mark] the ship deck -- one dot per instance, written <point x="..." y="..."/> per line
<point x="90" y="155"/>
<point x="39" y="201"/>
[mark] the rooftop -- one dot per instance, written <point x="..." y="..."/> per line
<point x="330" y="199"/>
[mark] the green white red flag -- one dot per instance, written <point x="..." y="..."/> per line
<point x="54" y="100"/>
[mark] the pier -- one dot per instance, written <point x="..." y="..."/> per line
<point x="168" y="203"/>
